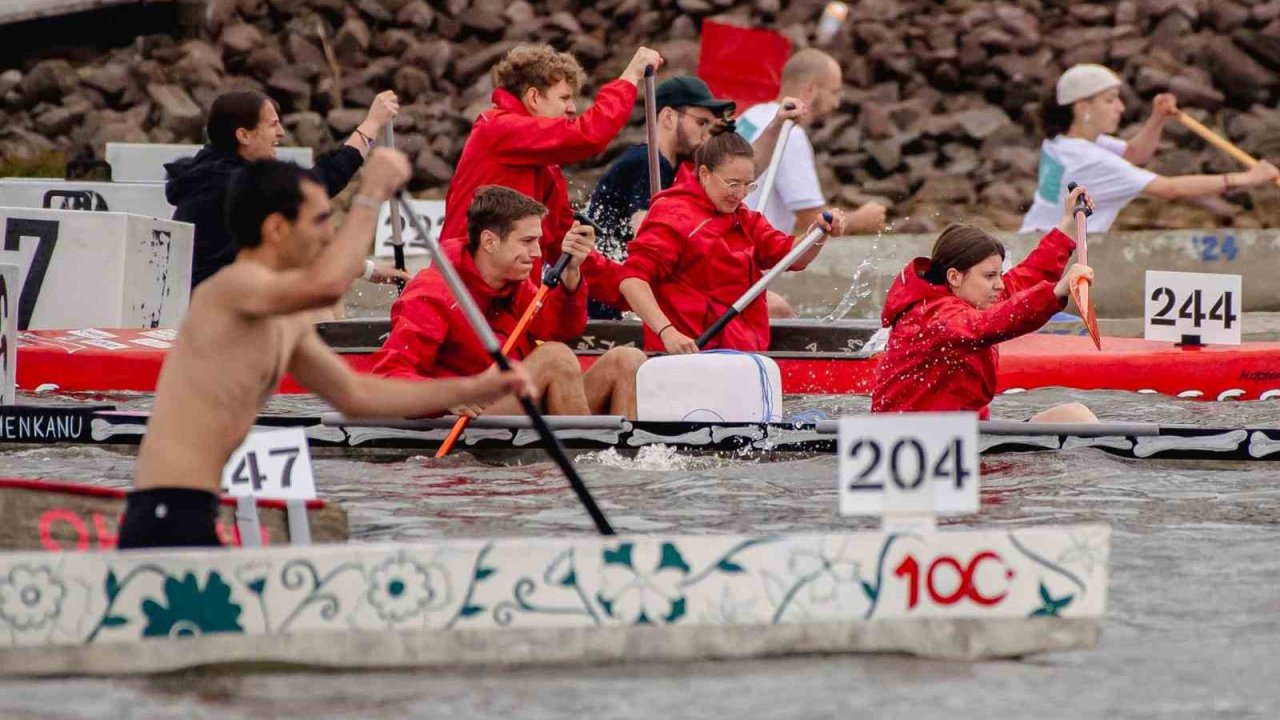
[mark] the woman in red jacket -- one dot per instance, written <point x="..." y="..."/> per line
<point x="700" y="248"/>
<point x="947" y="313"/>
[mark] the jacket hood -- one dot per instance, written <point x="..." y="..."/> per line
<point x="455" y="249"/>
<point x="909" y="289"/>
<point x="198" y="173"/>
<point x="686" y="207"/>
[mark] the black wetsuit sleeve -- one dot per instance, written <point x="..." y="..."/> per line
<point x="334" y="170"/>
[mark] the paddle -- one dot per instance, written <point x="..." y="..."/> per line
<point x="397" y="223"/>
<point x="482" y="330"/>
<point x="1080" y="291"/>
<point x="651" y="130"/>
<point x="1218" y="141"/>
<point x="754" y="291"/>
<point x="771" y="172"/>
<point x="550" y="279"/>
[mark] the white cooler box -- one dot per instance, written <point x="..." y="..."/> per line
<point x="712" y="386"/>
<point x="97" y="269"/>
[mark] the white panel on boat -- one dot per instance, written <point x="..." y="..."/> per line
<point x="709" y="387"/>
<point x="145" y="199"/>
<point x="144" y="162"/>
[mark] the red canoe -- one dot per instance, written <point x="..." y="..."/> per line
<point x="108" y="360"/>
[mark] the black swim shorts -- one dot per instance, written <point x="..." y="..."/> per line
<point x="169" y="517"/>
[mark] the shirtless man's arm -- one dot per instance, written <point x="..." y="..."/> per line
<point x="355" y="395"/>
<point x="256" y="290"/>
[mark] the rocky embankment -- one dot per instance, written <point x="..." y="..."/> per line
<point x="938" y="118"/>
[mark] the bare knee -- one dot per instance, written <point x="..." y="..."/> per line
<point x="1072" y="412"/>
<point x="557" y="358"/>
<point x="624" y="360"/>
<point x="778" y="305"/>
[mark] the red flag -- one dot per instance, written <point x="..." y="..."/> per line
<point x="742" y="64"/>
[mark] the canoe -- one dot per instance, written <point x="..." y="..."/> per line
<point x="955" y="594"/>
<point x="503" y="438"/>
<point x="59" y="516"/>
<point x="814" y="358"/>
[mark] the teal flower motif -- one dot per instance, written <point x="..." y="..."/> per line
<point x="31" y="597"/>
<point x="190" y="611"/>
<point x="400" y="589"/>
<point x="641" y="583"/>
<point x="1051" y="606"/>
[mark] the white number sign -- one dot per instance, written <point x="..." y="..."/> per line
<point x="271" y="464"/>
<point x="432" y="214"/>
<point x="1201" y="307"/>
<point x="909" y="463"/>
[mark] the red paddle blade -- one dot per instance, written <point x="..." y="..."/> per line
<point x="1080" y="293"/>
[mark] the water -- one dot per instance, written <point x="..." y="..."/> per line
<point x="1193" y="630"/>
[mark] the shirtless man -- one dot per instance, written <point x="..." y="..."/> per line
<point x="248" y="325"/>
<point x="430" y="336"/>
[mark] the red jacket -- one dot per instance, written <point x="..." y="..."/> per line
<point x="430" y="336"/>
<point x="942" y="354"/>
<point x="512" y="148"/>
<point x="699" y="261"/>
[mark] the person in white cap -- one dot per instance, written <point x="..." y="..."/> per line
<point x="1079" y="121"/>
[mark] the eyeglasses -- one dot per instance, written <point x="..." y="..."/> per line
<point x="734" y="186"/>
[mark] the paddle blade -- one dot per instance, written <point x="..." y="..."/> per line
<point x="1080" y="293"/>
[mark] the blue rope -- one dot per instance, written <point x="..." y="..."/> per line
<point x="766" y="398"/>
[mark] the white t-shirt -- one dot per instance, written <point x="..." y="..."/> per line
<point x="796" y="185"/>
<point x="1099" y="166"/>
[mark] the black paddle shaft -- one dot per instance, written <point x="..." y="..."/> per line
<point x="482" y="330"/>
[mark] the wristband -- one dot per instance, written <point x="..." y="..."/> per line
<point x="368" y="201"/>
<point x="369" y="267"/>
<point x="368" y="141"/>
<point x="664" y="329"/>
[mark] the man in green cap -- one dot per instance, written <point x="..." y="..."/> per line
<point x="688" y="114"/>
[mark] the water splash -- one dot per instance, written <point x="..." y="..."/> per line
<point x="654" y="458"/>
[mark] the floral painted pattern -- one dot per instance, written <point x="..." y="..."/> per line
<point x="401" y="589"/>
<point x="30" y="597"/>
<point x="641" y="583"/>
<point x="190" y="610"/>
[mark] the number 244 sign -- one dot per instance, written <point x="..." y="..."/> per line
<point x="1202" y="305"/>
<point x="271" y="464"/>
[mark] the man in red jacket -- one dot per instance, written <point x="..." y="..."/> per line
<point x="430" y="336"/>
<point x="532" y="129"/>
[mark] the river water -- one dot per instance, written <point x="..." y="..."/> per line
<point x="1193" y="629"/>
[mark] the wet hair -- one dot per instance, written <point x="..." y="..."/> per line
<point x="240" y="110"/>
<point x="1055" y="119"/>
<point x="960" y="247"/>
<point x="536" y="66"/>
<point x="719" y="149"/>
<point x="259" y="190"/>
<point x="497" y="209"/>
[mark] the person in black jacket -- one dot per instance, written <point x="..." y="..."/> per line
<point x="245" y="126"/>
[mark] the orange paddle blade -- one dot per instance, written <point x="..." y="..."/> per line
<point x="1080" y="293"/>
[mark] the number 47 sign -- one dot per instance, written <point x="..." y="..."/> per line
<point x="271" y="464"/>
<point x="913" y="463"/>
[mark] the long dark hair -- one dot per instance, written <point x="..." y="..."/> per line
<point x="1055" y="119"/>
<point x="960" y="247"/>
<point x="231" y="112"/>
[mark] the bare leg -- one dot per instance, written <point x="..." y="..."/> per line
<point x="558" y="376"/>
<point x="1066" y="413"/>
<point x="610" y="384"/>
<point x="778" y="305"/>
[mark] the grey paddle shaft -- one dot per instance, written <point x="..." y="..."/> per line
<point x="397" y="222"/>
<point x="651" y="129"/>
<point x="771" y="173"/>
<point x="800" y="248"/>
<point x="482" y="330"/>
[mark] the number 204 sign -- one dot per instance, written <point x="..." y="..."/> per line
<point x="1200" y="307"/>
<point x="271" y="464"/>
<point x="909" y="463"/>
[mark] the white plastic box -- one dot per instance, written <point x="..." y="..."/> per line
<point x="709" y="387"/>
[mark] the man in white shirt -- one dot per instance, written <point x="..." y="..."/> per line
<point x="813" y="77"/>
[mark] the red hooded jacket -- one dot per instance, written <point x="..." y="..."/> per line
<point x="511" y="148"/>
<point x="430" y="336"/>
<point x="942" y="353"/>
<point x="699" y="261"/>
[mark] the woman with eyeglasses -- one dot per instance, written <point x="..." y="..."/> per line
<point x="700" y="248"/>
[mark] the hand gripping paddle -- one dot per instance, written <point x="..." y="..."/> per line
<point x="1080" y="290"/>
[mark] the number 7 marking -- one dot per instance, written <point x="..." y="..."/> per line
<point x="286" y="476"/>
<point x="46" y="234"/>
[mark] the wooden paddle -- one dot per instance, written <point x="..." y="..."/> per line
<point x="1218" y="141"/>
<point x="754" y="291"/>
<point x="651" y="130"/>
<point x="1080" y="290"/>
<point x="397" y="223"/>
<point x="550" y="279"/>
<point x="482" y="330"/>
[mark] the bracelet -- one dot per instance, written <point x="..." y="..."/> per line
<point x="664" y="329"/>
<point x="367" y="140"/>
<point x="369" y="267"/>
<point x="368" y="201"/>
